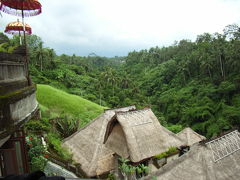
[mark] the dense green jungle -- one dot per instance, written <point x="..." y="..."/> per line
<point x="195" y="84"/>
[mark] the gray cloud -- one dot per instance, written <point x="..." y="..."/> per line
<point x="113" y="27"/>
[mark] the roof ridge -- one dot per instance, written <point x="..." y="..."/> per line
<point x="132" y="111"/>
<point x="190" y="130"/>
<point x="217" y="137"/>
<point x="224" y="145"/>
<point x="114" y="109"/>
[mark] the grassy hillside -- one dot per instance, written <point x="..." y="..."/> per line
<point x="58" y="102"/>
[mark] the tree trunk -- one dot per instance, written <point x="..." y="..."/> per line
<point x="189" y="74"/>
<point x="41" y="68"/>
<point x="184" y="78"/>
<point x="221" y="66"/>
<point x="113" y="90"/>
<point x="209" y="72"/>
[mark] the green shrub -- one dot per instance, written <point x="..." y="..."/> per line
<point x="66" y="125"/>
<point x="90" y="97"/>
<point x="170" y="151"/>
<point x="36" y="153"/>
<point x="175" y="128"/>
<point x="38" y="163"/>
<point x="127" y="169"/>
<point x="37" y="125"/>
<point x="160" y="156"/>
<point x="111" y="176"/>
<point x="54" y="143"/>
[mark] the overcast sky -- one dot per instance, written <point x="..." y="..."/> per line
<point x="116" y="27"/>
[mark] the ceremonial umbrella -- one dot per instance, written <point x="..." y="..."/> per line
<point x="17" y="28"/>
<point x="22" y="8"/>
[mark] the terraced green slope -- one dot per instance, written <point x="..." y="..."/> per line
<point x="57" y="102"/>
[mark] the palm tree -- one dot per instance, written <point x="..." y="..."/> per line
<point x="205" y="63"/>
<point x="183" y="69"/>
<point x="40" y="54"/>
<point x="219" y="52"/>
<point x="109" y="76"/>
<point x="73" y="59"/>
<point x="99" y="85"/>
<point x="51" y="55"/>
<point x="125" y="80"/>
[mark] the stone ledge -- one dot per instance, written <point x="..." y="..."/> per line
<point x="11" y="71"/>
<point x="12" y="63"/>
<point x="11" y="57"/>
<point x="13" y="127"/>
<point x="16" y="106"/>
<point x="16" y="95"/>
<point x="12" y="85"/>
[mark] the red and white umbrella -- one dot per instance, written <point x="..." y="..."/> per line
<point x="17" y="27"/>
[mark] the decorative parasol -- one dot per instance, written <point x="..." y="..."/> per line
<point x="17" y="28"/>
<point x="22" y="8"/>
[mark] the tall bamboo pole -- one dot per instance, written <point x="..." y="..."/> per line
<point x="26" y="53"/>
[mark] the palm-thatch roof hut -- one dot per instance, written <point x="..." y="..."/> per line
<point x="218" y="159"/>
<point x="129" y="133"/>
<point x="190" y="136"/>
<point x="87" y="146"/>
<point x="138" y="135"/>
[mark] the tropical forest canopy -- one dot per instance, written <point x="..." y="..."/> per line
<point x="195" y="84"/>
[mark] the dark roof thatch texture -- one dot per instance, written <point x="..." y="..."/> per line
<point x="216" y="160"/>
<point x="190" y="136"/>
<point x="87" y="146"/>
<point x="138" y="135"/>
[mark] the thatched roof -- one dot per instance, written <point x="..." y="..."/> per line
<point x="215" y="160"/>
<point x="138" y="135"/>
<point x="132" y="134"/>
<point x="87" y="146"/>
<point x="190" y="136"/>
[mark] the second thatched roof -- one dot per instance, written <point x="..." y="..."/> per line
<point x="218" y="159"/>
<point x="190" y="136"/>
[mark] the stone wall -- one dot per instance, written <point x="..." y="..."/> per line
<point x="17" y="99"/>
<point x="16" y="108"/>
<point x="12" y="72"/>
<point x="23" y="108"/>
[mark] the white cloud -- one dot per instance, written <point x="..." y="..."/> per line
<point x="115" y="27"/>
